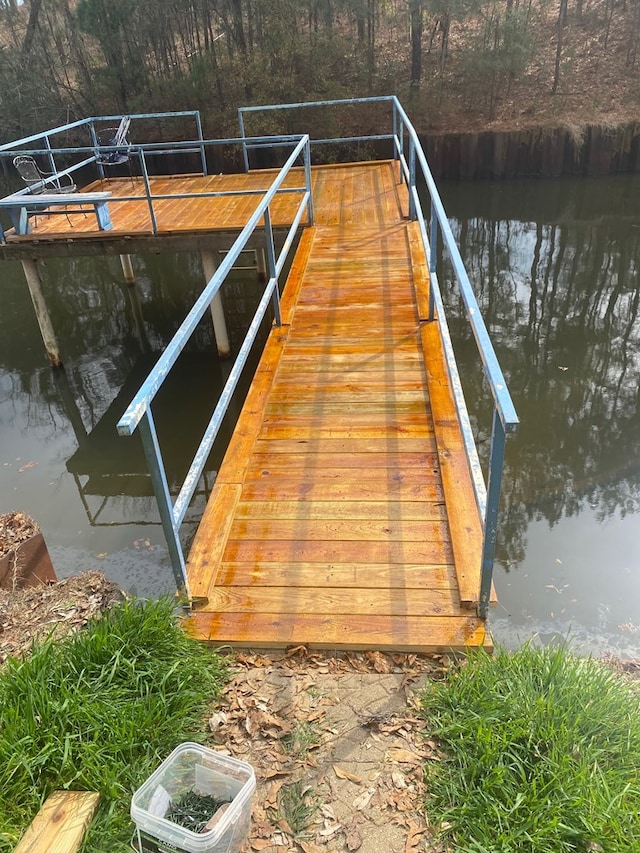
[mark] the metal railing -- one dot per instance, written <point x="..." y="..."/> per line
<point x="140" y="152"/>
<point x="139" y="413"/>
<point x="436" y="233"/>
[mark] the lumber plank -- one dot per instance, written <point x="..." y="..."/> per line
<point x="293" y="283"/>
<point x="420" y="270"/>
<point x="238" y="453"/>
<point x="284" y="488"/>
<point x="307" y="459"/>
<point x="464" y="520"/>
<point x="435" y="634"/>
<point x="342" y="601"/>
<point x="211" y="538"/>
<point x="61" y="823"/>
<point x="319" y="551"/>
<point x="380" y="510"/>
<point x="348" y="575"/>
<point x="383" y="531"/>
<point x="346" y="446"/>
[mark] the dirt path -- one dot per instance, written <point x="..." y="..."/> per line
<point x="336" y="742"/>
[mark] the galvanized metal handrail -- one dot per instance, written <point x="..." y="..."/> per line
<point x="139" y="413"/>
<point x="505" y="419"/>
<point x="13" y="148"/>
<point x="142" y="152"/>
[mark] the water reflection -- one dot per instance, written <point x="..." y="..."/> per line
<point x="60" y="456"/>
<point x="555" y="268"/>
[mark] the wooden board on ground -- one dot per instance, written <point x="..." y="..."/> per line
<point x="61" y="823"/>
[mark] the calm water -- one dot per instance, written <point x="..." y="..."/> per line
<point x="62" y="461"/>
<point x="555" y="266"/>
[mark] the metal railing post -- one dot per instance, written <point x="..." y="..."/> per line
<point x="245" y="152"/>
<point x="307" y="178"/>
<point x="147" y="189"/>
<point x="161" y="491"/>
<point x="412" y="179"/>
<point x="94" y="142"/>
<point x="433" y="256"/>
<point x="203" y="155"/>
<point x="496" y="463"/>
<point x="52" y="163"/>
<point x="394" y="112"/>
<point x="271" y="259"/>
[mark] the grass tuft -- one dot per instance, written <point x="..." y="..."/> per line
<point x="297" y="806"/>
<point x="98" y="711"/>
<point x="541" y="754"/>
<point x="301" y="740"/>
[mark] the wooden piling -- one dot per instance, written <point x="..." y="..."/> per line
<point x="217" y="312"/>
<point x="127" y="269"/>
<point x="261" y="263"/>
<point x="34" y="284"/>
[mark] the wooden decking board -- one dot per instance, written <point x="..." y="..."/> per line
<point x="341" y="480"/>
<point x="292" y="488"/>
<point x="341" y="601"/>
<point x="383" y="530"/>
<point x="437" y="634"/>
<point x="342" y="576"/>
<point x="347" y="511"/>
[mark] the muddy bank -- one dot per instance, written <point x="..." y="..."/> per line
<point x="542" y="153"/>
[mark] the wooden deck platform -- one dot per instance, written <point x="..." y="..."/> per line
<point x="183" y="224"/>
<point x="343" y="515"/>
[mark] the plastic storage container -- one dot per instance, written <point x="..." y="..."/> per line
<point x="192" y="767"/>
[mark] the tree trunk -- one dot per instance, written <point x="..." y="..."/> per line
<point x="416" y="43"/>
<point x="34" y="12"/>
<point x="562" y="20"/>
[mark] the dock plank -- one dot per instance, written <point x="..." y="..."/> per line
<point x="438" y="634"/>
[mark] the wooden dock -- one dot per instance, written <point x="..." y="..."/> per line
<point x="183" y="224"/>
<point x="343" y="515"/>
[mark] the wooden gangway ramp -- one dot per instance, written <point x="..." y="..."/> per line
<point x="343" y="516"/>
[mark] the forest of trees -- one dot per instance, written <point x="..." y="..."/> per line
<point x="455" y="63"/>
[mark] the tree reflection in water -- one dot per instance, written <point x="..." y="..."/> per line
<point x="555" y="268"/>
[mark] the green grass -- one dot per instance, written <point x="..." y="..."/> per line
<point x="301" y="740"/>
<point x="297" y="805"/>
<point x="541" y="755"/>
<point x="98" y="711"/>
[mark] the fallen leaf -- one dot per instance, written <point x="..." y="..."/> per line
<point x="345" y="774"/>
<point x="414" y="836"/>
<point x="353" y="838"/>
<point x="217" y="720"/>
<point x="260" y="843"/>
<point x="403" y="756"/>
<point x="309" y="847"/>
<point x="327" y="811"/>
<point x="398" y="779"/>
<point x="380" y="662"/>
<point x="362" y="801"/>
<point x="329" y="829"/>
<point x="283" y="823"/>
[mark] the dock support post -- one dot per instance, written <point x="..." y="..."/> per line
<point x="34" y="284"/>
<point x="261" y="264"/>
<point x="127" y="269"/>
<point x="217" y="312"/>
